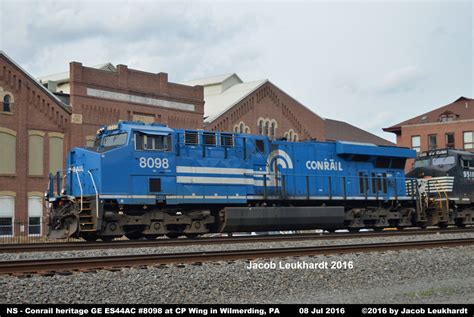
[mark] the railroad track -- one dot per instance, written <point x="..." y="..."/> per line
<point x="69" y="246"/>
<point x="53" y="266"/>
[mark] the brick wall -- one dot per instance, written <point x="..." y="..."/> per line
<point x="32" y="109"/>
<point x="93" y="111"/>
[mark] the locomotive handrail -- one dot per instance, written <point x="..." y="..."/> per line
<point x="80" y="186"/>
<point x="96" y="194"/>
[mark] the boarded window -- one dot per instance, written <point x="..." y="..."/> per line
<point x="35" y="154"/>
<point x="90" y="140"/>
<point x="210" y="139"/>
<point x="227" y="140"/>
<point x="56" y="145"/>
<point x="7" y="152"/>
<point x="191" y="138"/>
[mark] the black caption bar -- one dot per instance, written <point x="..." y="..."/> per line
<point x="119" y="310"/>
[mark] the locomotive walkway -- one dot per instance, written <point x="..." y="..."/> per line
<point x="84" y="264"/>
<point x="119" y="244"/>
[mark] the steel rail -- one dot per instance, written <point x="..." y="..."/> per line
<point x="68" y="264"/>
<point x="82" y="245"/>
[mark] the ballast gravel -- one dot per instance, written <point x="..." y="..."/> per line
<point x="442" y="275"/>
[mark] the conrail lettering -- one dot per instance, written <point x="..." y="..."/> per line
<point x="326" y="165"/>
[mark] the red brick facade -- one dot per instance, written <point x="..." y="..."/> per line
<point x="92" y="111"/>
<point x="32" y="108"/>
<point x="269" y="102"/>
<point x="456" y="118"/>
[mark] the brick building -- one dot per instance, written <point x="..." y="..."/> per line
<point x="34" y="137"/>
<point x="450" y="126"/>
<point x="40" y="122"/>
<point x="261" y="107"/>
<point x="106" y="94"/>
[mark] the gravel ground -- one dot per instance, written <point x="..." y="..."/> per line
<point x="442" y="275"/>
<point x="236" y="246"/>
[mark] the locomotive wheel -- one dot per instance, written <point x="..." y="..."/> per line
<point x="151" y="236"/>
<point x="107" y="238"/>
<point x="134" y="235"/>
<point x="353" y="230"/>
<point x="90" y="236"/>
<point x="173" y="235"/>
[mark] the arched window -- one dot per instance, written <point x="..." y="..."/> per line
<point x="290" y="135"/>
<point x="267" y="128"/>
<point x="6" y="103"/>
<point x="273" y="131"/>
<point x="260" y="127"/>
<point x="241" y="127"/>
<point x="247" y="130"/>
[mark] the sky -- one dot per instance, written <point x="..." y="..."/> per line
<point x="370" y="63"/>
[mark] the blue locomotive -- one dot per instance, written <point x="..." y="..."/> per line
<point x="147" y="180"/>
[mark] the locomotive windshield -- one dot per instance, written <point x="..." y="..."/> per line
<point x="449" y="160"/>
<point x="115" y="140"/>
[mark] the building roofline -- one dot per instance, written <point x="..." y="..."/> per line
<point x="264" y="81"/>
<point x="36" y="82"/>
<point x="398" y="126"/>
<point x="252" y="91"/>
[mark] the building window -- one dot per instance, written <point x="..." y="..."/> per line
<point x="450" y="140"/>
<point x="416" y="143"/>
<point x="273" y="131"/>
<point x="90" y="140"/>
<point x="267" y="128"/>
<point x="35" y="213"/>
<point x="432" y="142"/>
<point x="7" y="103"/>
<point x="468" y="140"/>
<point x="56" y="145"/>
<point x="35" y="153"/>
<point x="241" y="128"/>
<point x="8" y="151"/>
<point x="260" y="127"/>
<point x="7" y="212"/>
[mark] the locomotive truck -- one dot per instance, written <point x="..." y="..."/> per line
<point x="148" y="180"/>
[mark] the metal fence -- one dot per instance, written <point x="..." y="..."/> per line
<point x="34" y="230"/>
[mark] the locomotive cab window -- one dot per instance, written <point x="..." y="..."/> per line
<point x="152" y="142"/>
